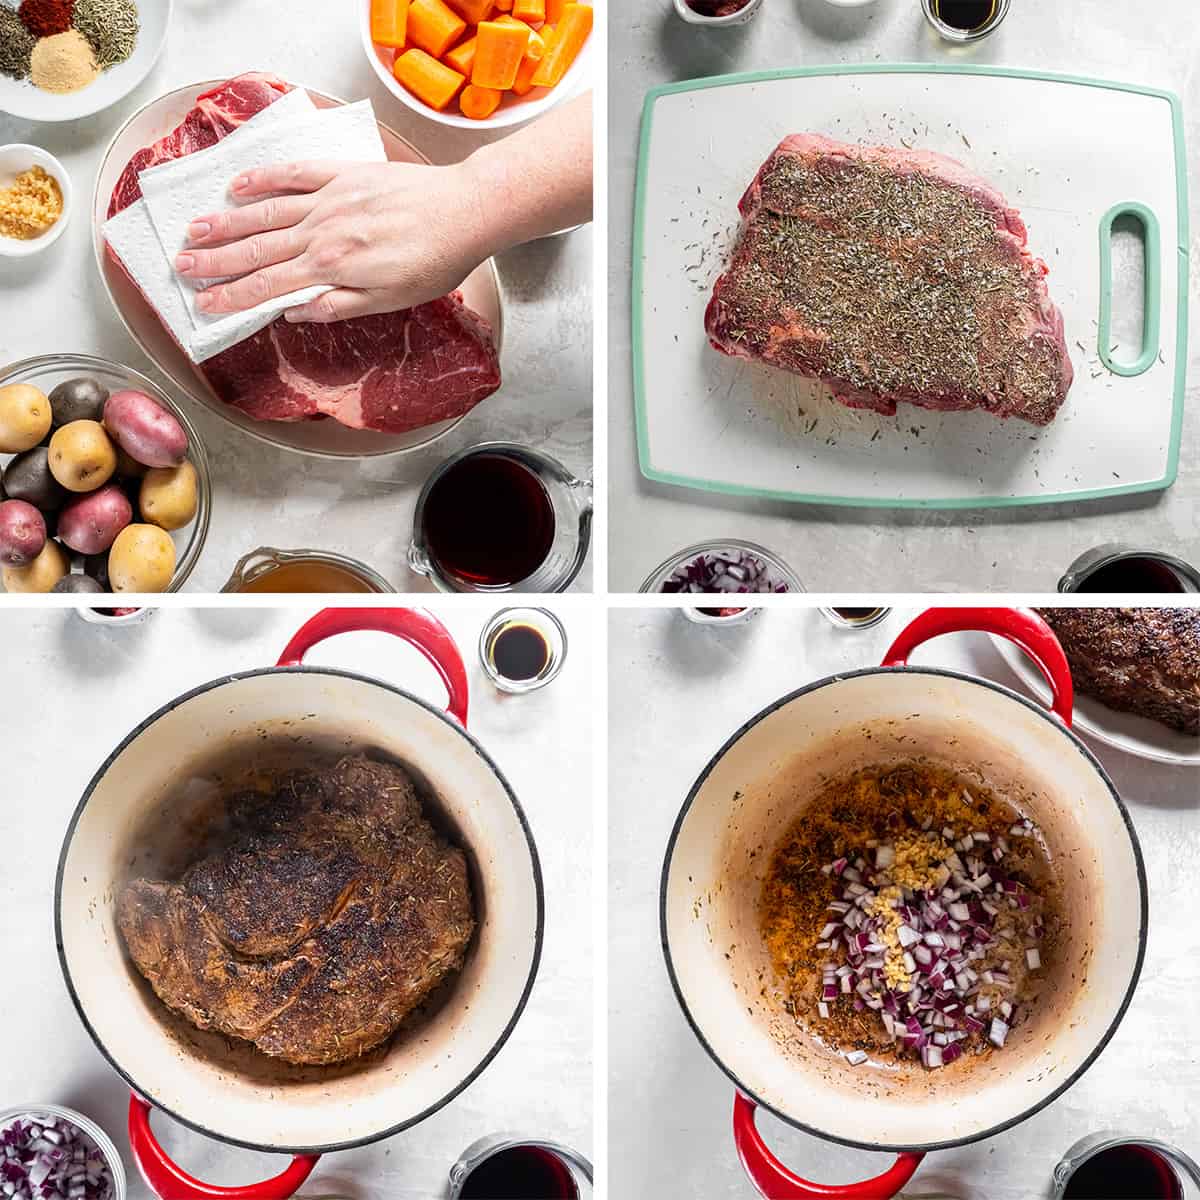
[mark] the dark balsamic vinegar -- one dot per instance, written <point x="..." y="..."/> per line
<point x="521" y="1173"/>
<point x="967" y="15"/>
<point x="520" y="652"/>
<point x="489" y="521"/>
<point x="1127" y="1172"/>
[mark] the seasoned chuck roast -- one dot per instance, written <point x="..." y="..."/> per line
<point x="893" y="275"/>
<point x="1140" y="660"/>
<point x="333" y="910"/>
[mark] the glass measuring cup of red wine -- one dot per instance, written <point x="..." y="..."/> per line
<point x="500" y="517"/>
<point x="1115" y="569"/>
<point x="510" y="1167"/>
<point x="1117" y="1166"/>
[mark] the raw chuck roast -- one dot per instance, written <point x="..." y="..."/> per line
<point x="1139" y="660"/>
<point x="893" y="275"/>
<point x="391" y="372"/>
<point x="331" y="913"/>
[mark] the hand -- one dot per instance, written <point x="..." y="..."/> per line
<point x="390" y="235"/>
<point x="385" y="235"/>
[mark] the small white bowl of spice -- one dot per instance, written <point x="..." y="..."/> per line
<point x="35" y="200"/>
<point x="61" y="60"/>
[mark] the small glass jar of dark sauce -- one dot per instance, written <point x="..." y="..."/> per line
<point x="522" y="649"/>
<point x="847" y="617"/>
<point x="1114" y="1166"/>
<point x="965" y="20"/>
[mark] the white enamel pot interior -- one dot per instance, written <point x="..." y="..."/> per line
<point x="754" y="788"/>
<point x="231" y="1091"/>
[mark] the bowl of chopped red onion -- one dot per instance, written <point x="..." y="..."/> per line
<point x="728" y="567"/>
<point x="46" y="1151"/>
<point x="921" y="974"/>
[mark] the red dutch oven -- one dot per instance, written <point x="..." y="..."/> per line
<point x="753" y="789"/>
<point x="228" y="1090"/>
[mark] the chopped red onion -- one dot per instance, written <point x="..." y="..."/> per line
<point x="723" y="571"/>
<point x="941" y="938"/>
<point x="43" y="1157"/>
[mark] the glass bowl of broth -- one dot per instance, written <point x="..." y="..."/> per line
<point x="269" y="569"/>
<point x="500" y="517"/>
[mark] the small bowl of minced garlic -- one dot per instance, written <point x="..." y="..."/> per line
<point x="35" y="200"/>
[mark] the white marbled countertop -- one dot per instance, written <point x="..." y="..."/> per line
<point x="670" y="1107"/>
<point x="267" y="496"/>
<point x="846" y="549"/>
<point x="93" y="685"/>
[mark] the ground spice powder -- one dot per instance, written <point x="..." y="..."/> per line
<point x="46" y="17"/>
<point x="63" y="63"/>
<point x="30" y="205"/>
<point x="16" y="44"/>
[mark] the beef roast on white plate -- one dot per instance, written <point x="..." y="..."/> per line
<point x="893" y="275"/>
<point x="391" y="372"/>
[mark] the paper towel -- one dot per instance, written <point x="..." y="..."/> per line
<point x="147" y="235"/>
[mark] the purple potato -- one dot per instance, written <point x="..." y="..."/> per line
<point x="28" y="477"/>
<point x="77" y="583"/>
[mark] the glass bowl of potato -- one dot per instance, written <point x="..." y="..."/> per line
<point x="105" y="485"/>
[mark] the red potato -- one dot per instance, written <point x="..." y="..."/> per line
<point x="145" y="430"/>
<point x="22" y="533"/>
<point x="90" y="524"/>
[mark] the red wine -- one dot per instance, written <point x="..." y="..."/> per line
<point x="1125" y="1173"/>
<point x="519" y="652"/>
<point x="522" y="1173"/>
<point x="1132" y="574"/>
<point x="489" y="521"/>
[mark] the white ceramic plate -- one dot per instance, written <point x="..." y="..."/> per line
<point x="326" y="439"/>
<point x="22" y="99"/>
<point x="513" y="110"/>
<point x="1124" y="731"/>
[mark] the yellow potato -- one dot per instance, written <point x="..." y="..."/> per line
<point x="25" y="417"/>
<point x="82" y="456"/>
<point x="40" y="575"/>
<point x="142" y="559"/>
<point x="168" y="496"/>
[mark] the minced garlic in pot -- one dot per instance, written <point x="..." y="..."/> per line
<point x="30" y="205"/>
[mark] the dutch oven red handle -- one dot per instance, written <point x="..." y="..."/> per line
<point x="776" y="1182"/>
<point x="171" y="1182"/>
<point x="417" y="626"/>
<point x="1021" y="626"/>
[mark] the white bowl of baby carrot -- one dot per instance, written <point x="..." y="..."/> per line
<point x="480" y="64"/>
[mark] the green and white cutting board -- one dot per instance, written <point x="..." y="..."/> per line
<point x="1066" y="152"/>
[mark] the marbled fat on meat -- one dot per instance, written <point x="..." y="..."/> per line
<point x="893" y="275"/>
<point x="392" y="372"/>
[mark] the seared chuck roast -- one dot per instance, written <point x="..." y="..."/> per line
<point x="332" y="911"/>
<point x="1141" y="660"/>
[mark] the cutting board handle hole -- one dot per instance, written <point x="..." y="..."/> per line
<point x="1130" y="289"/>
